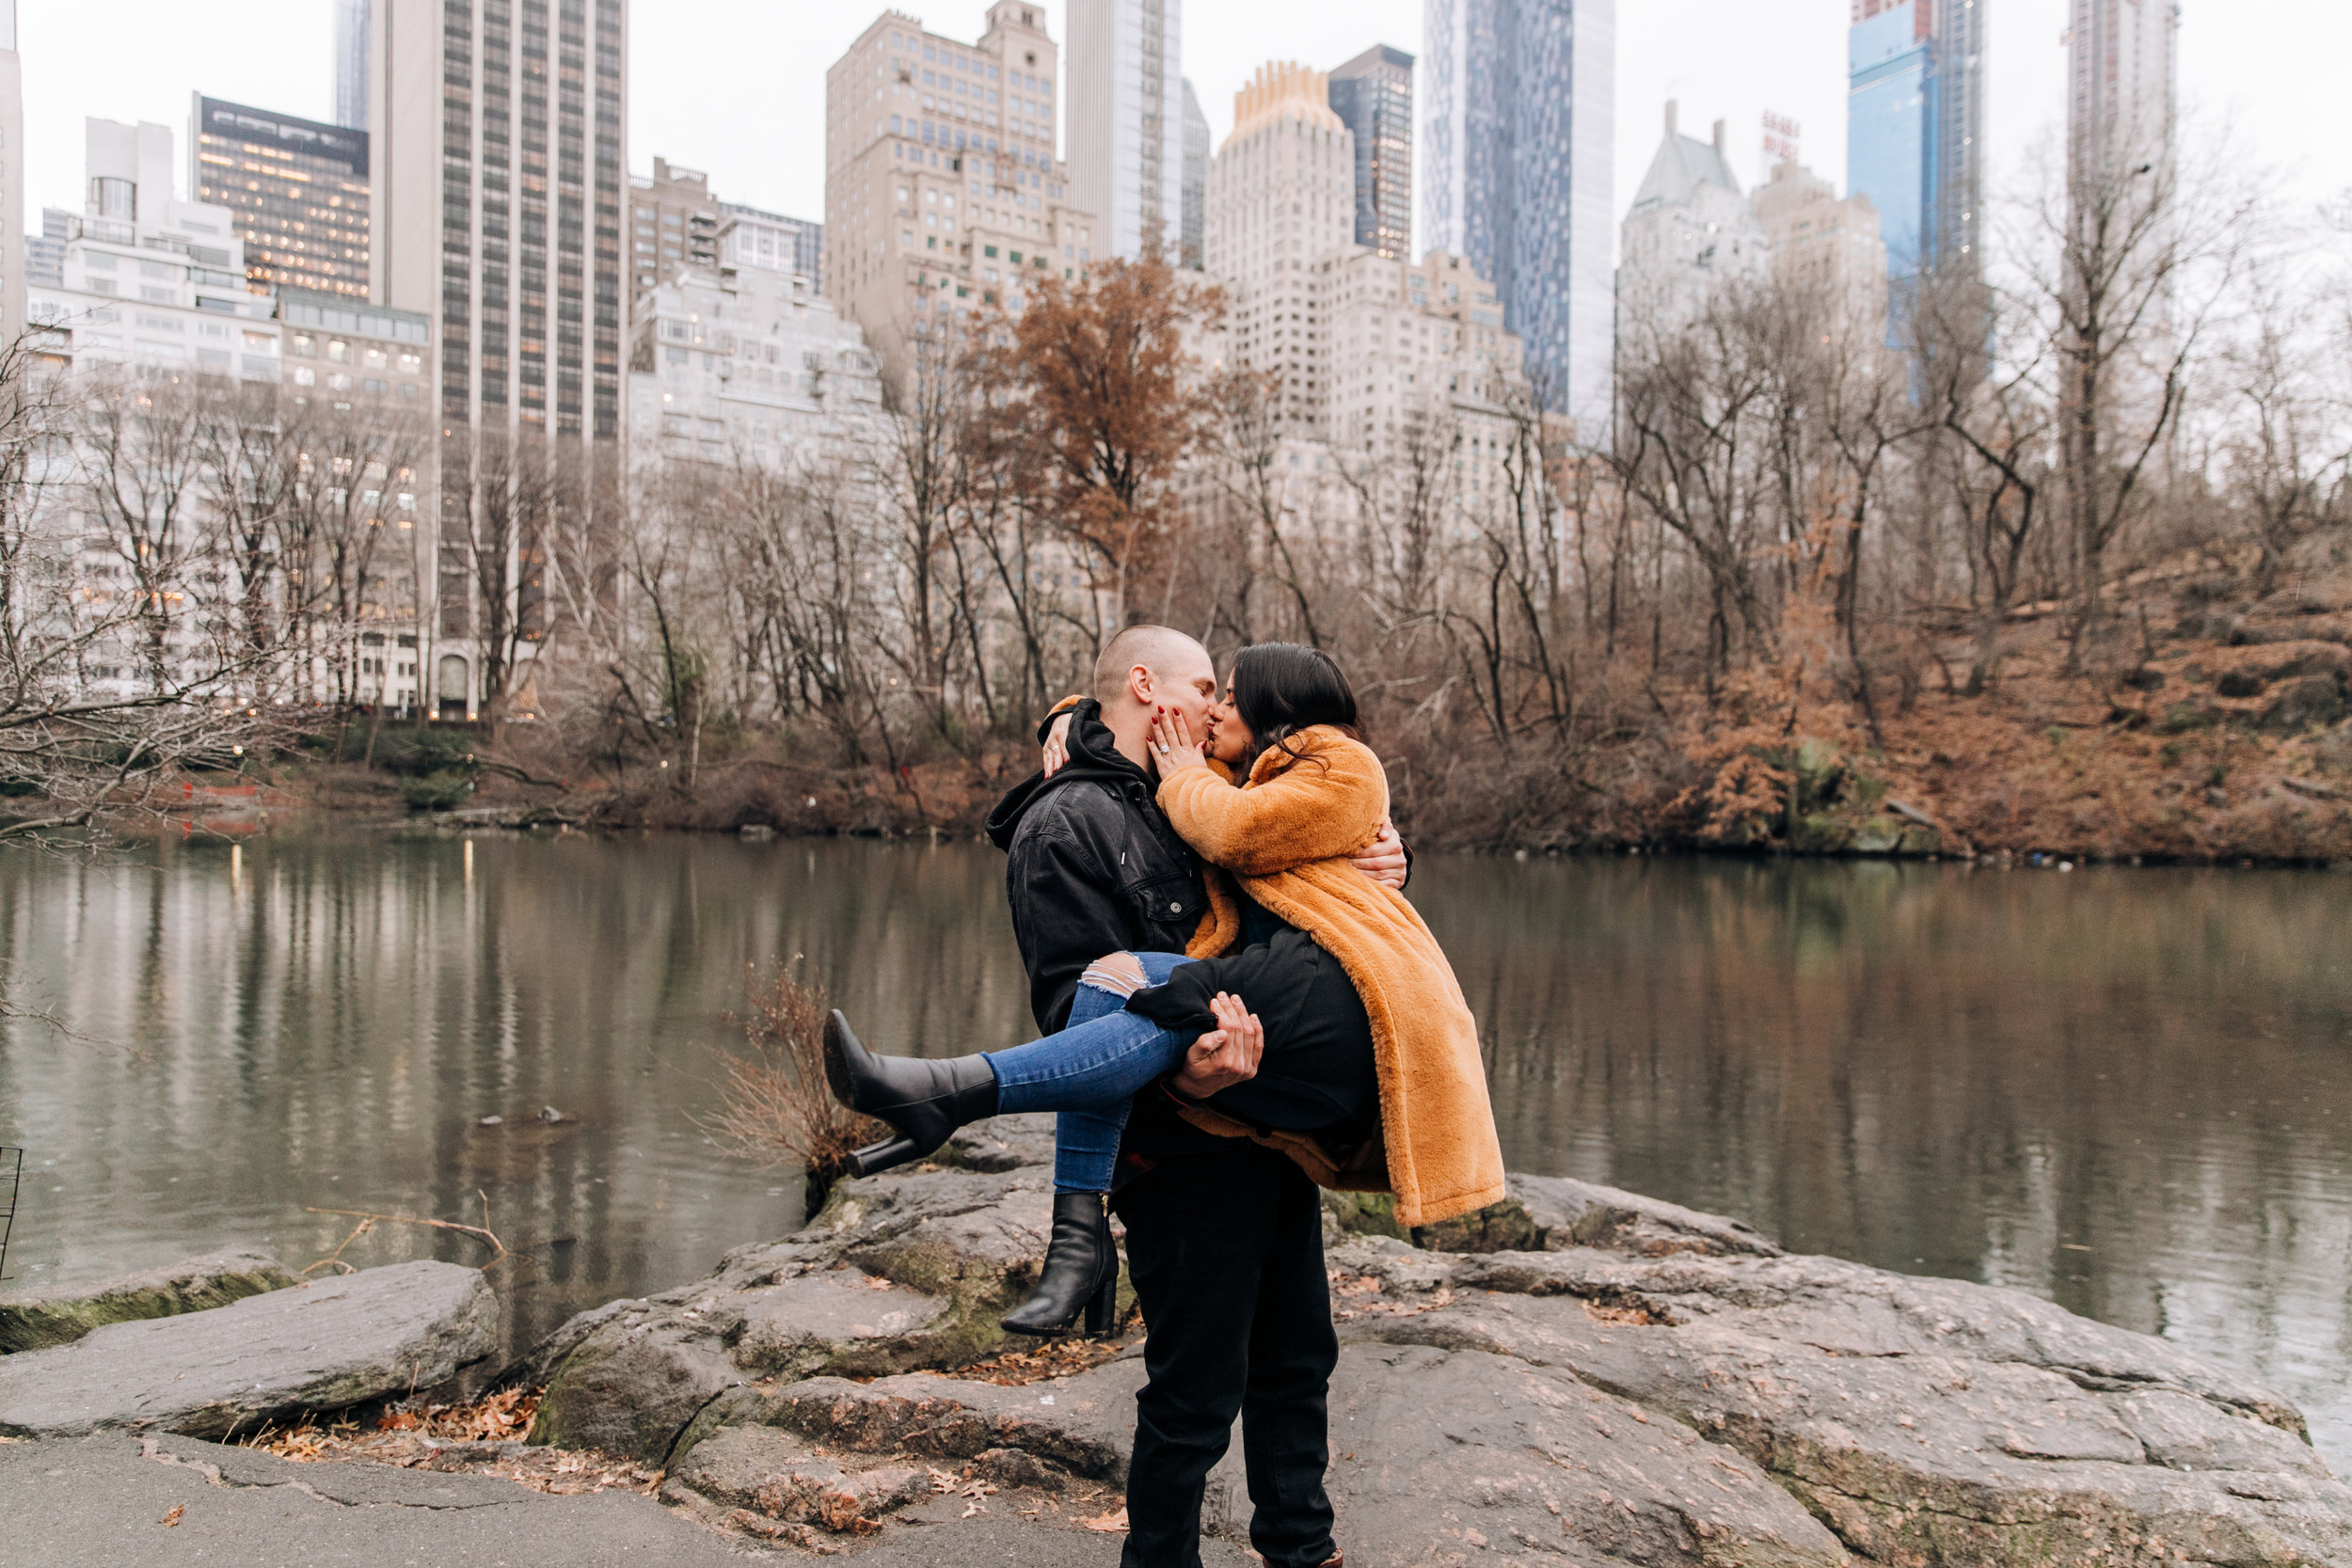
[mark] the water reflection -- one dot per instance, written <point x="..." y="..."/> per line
<point x="2128" y="1091"/>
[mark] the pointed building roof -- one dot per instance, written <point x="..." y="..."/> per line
<point x="1682" y="166"/>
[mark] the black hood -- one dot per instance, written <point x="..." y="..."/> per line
<point x="1093" y="756"/>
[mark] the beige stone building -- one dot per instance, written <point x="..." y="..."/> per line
<point x="1282" y="206"/>
<point x="674" y="225"/>
<point x="1818" y="239"/>
<point x="942" y="195"/>
<point x="1689" y="232"/>
<point x="1376" y="361"/>
<point x="747" y="365"/>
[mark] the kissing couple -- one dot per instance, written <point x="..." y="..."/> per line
<point x="1238" y="1006"/>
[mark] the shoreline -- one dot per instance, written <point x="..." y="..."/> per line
<point x="1577" y="1367"/>
<point x="199" y="828"/>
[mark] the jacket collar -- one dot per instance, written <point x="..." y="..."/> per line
<point x="1094" y="757"/>
<point x="1307" y="742"/>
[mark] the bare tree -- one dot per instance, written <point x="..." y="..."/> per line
<point x="113" y="672"/>
<point x="2133" y="256"/>
<point x="2287" y="448"/>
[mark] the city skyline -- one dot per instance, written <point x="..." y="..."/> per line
<point x="1793" y="62"/>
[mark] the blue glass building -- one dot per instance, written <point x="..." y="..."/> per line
<point x="1915" y="132"/>
<point x="1516" y="177"/>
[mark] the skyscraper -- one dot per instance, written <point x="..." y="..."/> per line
<point x="496" y="205"/>
<point x="1915" y="129"/>
<point x="1126" y="120"/>
<point x="942" y="193"/>
<point x="351" y="64"/>
<point x="2123" y="78"/>
<point x="1196" y="180"/>
<point x="298" y="191"/>
<point x="494" y="132"/>
<point x="1372" y="95"/>
<point x="1516" y="175"/>
<point x="1281" y="205"/>
<point x="12" y="245"/>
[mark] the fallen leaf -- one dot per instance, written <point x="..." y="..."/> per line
<point x="1110" y="1524"/>
<point x="173" y="1517"/>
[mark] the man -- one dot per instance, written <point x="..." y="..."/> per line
<point x="1224" y="1237"/>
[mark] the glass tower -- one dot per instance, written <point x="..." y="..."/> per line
<point x="1517" y="176"/>
<point x="1196" y="181"/>
<point x="1913" y="127"/>
<point x="1372" y="95"/>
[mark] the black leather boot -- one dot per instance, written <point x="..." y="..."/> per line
<point x="925" y="1099"/>
<point x="1081" y="1273"/>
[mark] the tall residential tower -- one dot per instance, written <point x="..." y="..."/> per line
<point x="1127" y="120"/>
<point x="1282" y="206"/>
<point x="942" y="193"/>
<point x="1517" y="175"/>
<point x="496" y="205"/>
<point x="2123" y="78"/>
<point x="1372" y="95"/>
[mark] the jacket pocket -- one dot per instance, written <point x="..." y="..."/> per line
<point x="1166" y="900"/>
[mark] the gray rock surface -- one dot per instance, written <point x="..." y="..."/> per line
<point x="1925" y="1421"/>
<point x="44" y="1320"/>
<point x="1435" y="1453"/>
<point x="1591" y="1375"/>
<point x="320" y="1346"/>
<point x="903" y="1271"/>
<point x="766" y="1472"/>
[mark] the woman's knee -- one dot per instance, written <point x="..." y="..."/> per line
<point x="1119" y="974"/>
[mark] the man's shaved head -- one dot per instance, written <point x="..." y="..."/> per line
<point x="1171" y="655"/>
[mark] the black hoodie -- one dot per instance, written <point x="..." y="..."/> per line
<point x="1091" y="868"/>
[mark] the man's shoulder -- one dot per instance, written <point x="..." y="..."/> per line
<point x="1080" y="809"/>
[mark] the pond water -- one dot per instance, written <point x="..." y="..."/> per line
<point x="2129" y="1092"/>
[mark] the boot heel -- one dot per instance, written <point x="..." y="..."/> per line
<point x="886" y="1155"/>
<point x="1103" y="1311"/>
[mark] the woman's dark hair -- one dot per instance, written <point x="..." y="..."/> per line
<point x="1280" y="688"/>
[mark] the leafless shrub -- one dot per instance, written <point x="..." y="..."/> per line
<point x="775" y="1107"/>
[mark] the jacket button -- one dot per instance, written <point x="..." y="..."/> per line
<point x="1175" y="908"/>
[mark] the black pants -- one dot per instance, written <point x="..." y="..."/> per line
<point x="1226" y="1252"/>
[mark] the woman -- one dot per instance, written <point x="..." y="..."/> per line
<point x="1371" y="1076"/>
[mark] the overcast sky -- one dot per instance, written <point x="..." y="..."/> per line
<point x="737" y="87"/>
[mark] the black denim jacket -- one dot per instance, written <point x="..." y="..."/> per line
<point x="1091" y="868"/>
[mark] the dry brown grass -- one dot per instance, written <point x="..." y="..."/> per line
<point x="775" y="1107"/>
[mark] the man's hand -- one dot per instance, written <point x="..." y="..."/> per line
<point x="1383" y="860"/>
<point x="1058" y="745"/>
<point x="1224" y="1056"/>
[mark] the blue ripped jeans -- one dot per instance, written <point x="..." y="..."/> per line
<point x="1088" y="1072"/>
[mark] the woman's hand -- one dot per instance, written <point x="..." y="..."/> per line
<point x="1171" y="737"/>
<point x="1224" y="1056"/>
<point x="1057" y="746"/>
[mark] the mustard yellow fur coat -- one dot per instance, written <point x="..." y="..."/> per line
<point x="1286" y="836"/>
